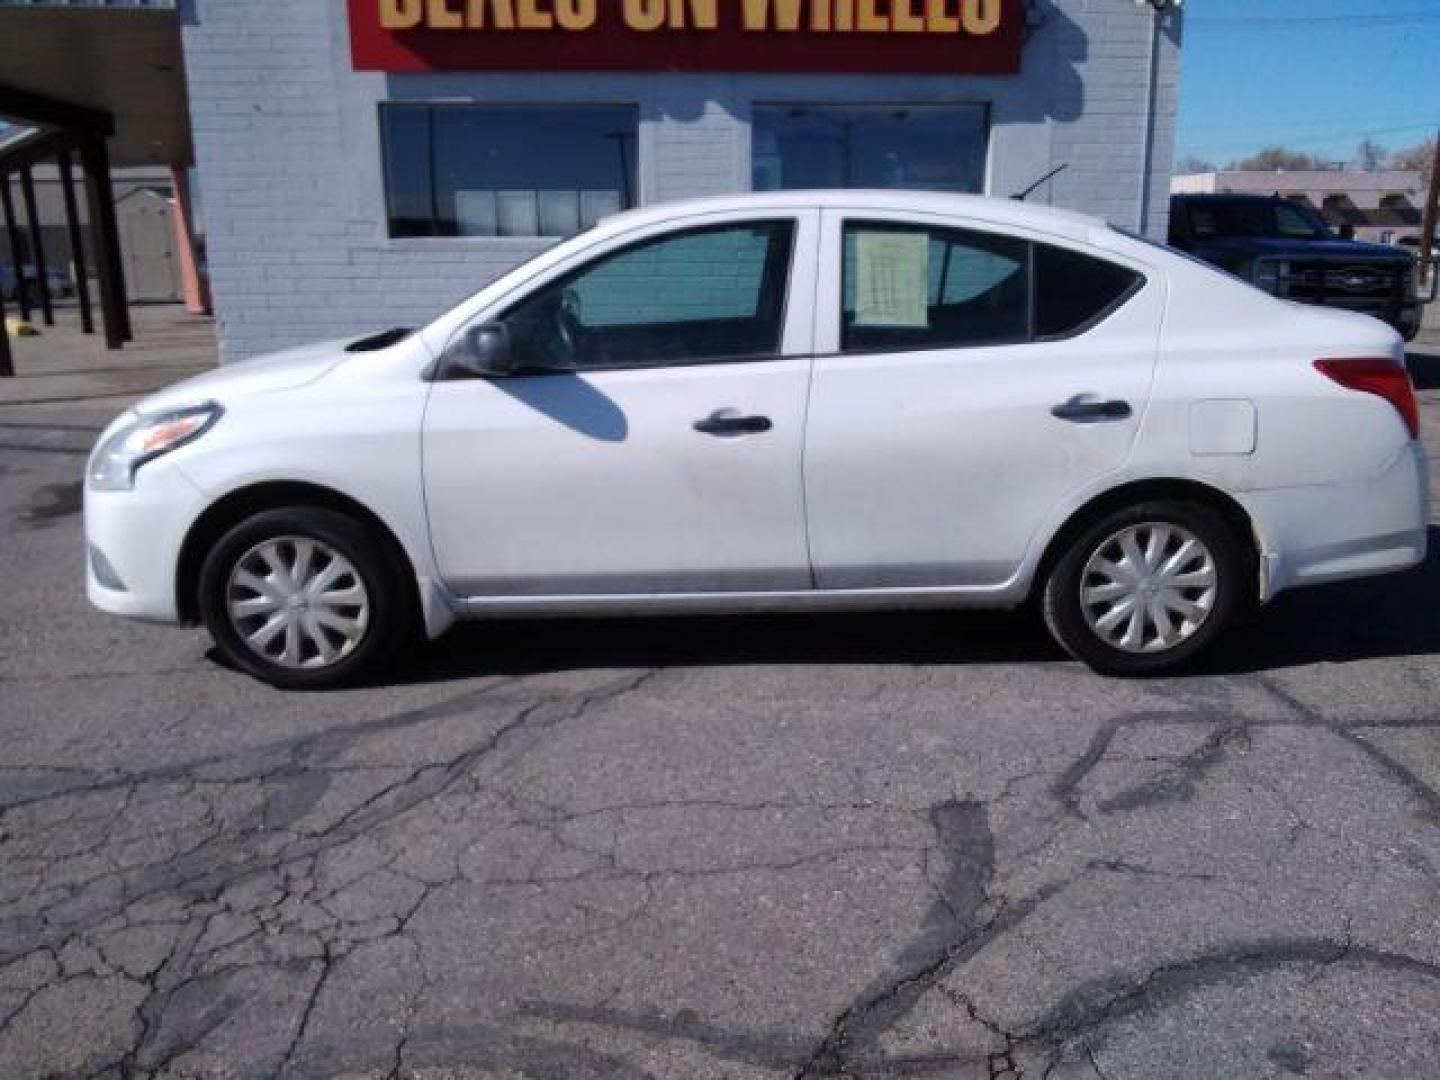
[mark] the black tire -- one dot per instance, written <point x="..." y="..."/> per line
<point x="1065" y="613"/>
<point x="390" y="615"/>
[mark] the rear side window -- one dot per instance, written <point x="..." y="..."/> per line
<point x="908" y="287"/>
<point x="912" y="287"/>
<point x="1075" y="291"/>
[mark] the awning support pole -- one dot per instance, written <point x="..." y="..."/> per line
<point x="192" y="283"/>
<point x="77" y="247"/>
<point x="17" y="263"/>
<point x="95" y="160"/>
<point x="7" y="361"/>
<point x="37" y="246"/>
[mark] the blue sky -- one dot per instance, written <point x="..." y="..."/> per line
<point x="1314" y="75"/>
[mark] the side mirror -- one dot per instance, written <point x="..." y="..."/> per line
<point x="484" y="351"/>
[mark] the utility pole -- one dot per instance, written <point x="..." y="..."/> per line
<point x="1432" y="207"/>
<point x="1161" y="10"/>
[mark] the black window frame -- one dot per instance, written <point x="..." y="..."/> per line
<point x="1139" y="282"/>
<point x="781" y="260"/>
<point x="630" y="173"/>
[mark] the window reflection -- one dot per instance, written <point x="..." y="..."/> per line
<point x="921" y="147"/>
<point x="474" y="170"/>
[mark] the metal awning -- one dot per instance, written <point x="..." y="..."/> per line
<point x="98" y="80"/>
<point x="1340" y="209"/>
<point x="120" y="60"/>
<point x="1391" y="217"/>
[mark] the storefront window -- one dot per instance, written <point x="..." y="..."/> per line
<point x="923" y="147"/>
<point x="475" y="170"/>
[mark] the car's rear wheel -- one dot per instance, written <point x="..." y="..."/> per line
<point x="304" y="597"/>
<point x="1148" y="588"/>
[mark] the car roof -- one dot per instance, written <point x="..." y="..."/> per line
<point x="997" y="211"/>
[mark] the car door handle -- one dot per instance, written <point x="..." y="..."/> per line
<point x="728" y="423"/>
<point x="1085" y="409"/>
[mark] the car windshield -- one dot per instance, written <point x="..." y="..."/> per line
<point x="1259" y="217"/>
<point x="547" y="245"/>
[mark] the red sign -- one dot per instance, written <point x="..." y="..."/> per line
<point x="971" y="37"/>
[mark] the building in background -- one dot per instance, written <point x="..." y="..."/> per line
<point x="88" y="87"/>
<point x="145" y="212"/>
<point x="368" y="164"/>
<point x="1383" y="207"/>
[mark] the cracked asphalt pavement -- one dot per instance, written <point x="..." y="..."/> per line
<point x="880" y="846"/>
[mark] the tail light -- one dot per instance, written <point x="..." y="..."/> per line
<point x="1381" y="376"/>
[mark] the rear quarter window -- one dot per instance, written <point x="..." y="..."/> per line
<point x="1074" y="292"/>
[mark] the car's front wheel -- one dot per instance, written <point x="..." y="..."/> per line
<point x="304" y="598"/>
<point x="1146" y="589"/>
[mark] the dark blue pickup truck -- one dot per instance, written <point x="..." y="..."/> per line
<point x="1286" y="249"/>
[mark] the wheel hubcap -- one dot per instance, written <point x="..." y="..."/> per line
<point x="1149" y="588"/>
<point x="297" y="602"/>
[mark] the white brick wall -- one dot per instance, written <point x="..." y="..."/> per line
<point x="287" y="140"/>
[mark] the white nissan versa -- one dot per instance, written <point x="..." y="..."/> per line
<point x="798" y="401"/>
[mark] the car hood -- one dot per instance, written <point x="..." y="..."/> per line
<point x="1304" y="249"/>
<point x="284" y="370"/>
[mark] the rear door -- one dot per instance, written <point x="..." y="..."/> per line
<point x="967" y="383"/>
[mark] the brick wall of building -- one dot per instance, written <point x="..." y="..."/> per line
<point x="288" y="147"/>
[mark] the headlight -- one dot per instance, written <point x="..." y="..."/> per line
<point x="113" y="464"/>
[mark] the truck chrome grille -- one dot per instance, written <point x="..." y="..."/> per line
<point x="1363" y="281"/>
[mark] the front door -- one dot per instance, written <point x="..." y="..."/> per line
<point x="967" y="383"/>
<point x="668" y="460"/>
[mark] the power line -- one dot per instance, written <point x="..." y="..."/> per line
<point x="1310" y="136"/>
<point x="1238" y="28"/>
<point x="1340" y="133"/>
<point x="1418" y="119"/>
<point x="1373" y="19"/>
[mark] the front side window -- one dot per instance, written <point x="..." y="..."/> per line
<point x="919" y="147"/>
<point x="506" y="170"/>
<point x="912" y="287"/>
<point x="703" y="295"/>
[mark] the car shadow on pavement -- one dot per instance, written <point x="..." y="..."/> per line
<point x="531" y="647"/>
<point x="1380" y="617"/>
<point x="1393" y="616"/>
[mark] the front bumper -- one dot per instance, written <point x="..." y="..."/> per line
<point x="133" y="541"/>
<point x="1391" y="298"/>
<point x="1333" y="532"/>
<point x="1409" y="321"/>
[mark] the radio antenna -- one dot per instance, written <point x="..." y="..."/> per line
<point x="1023" y="195"/>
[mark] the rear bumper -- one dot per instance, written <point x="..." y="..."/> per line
<point x="1333" y="532"/>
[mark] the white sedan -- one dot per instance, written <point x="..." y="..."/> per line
<point x="798" y="401"/>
